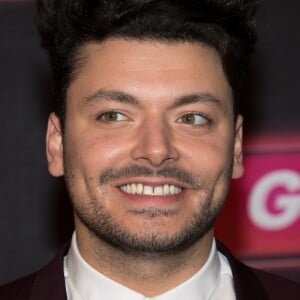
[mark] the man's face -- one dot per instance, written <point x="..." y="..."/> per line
<point x="150" y="143"/>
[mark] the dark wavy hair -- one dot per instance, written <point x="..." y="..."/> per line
<point x="66" y="25"/>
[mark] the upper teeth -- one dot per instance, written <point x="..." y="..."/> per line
<point x="161" y="190"/>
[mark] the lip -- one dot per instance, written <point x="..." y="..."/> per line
<point x="151" y="201"/>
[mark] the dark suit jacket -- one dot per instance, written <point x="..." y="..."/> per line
<point x="249" y="284"/>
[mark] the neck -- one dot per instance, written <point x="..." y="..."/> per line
<point x="150" y="274"/>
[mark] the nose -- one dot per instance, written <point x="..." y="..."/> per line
<point x="155" y="145"/>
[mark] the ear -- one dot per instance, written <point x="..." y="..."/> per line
<point x="54" y="146"/>
<point x="238" y="167"/>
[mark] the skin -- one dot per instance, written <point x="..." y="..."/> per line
<point x="154" y="126"/>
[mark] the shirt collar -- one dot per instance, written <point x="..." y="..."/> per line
<point x="85" y="281"/>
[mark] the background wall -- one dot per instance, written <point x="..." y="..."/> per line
<point x="35" y="217"/>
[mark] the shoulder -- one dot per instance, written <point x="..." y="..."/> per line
<point x="278" y="287"/>
<point x="250" y="283"/>
<point x="47" y="284"/>
<point x="17" y="290"/>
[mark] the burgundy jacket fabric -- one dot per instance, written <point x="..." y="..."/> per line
<point x="250" y="284"/>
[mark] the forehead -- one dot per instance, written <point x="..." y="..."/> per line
<point x="160" y="68"/>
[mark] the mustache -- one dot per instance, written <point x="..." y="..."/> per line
<point x="177" y="173"/>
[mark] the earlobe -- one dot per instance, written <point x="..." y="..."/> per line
<point x="54" y="146"/>
<point x="238" y="167"/>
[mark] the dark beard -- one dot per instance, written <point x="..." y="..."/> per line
<point x="103" y="225"/>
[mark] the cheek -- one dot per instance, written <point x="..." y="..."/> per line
<point x="209" y="156"/>
<point x="93" y="152"/>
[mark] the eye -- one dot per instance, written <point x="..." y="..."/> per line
<point x="193" y="119"/>
<point x="112" y="116"/>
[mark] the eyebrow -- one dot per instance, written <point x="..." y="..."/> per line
<point x="111" y="95"/>
<point x="197" y="98"/>
<point x="119" y="96"/>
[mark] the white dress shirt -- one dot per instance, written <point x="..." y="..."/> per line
<point x="212" y="282"/>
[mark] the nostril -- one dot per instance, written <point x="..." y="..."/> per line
<point x="155" y="145"/>
<point x="153" y="157"/>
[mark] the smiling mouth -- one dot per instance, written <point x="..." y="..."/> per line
<point x="147" y="190"/>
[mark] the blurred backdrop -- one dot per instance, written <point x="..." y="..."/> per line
<point x="261" y="220"/>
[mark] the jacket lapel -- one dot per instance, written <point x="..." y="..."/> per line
<point x="246" y="284"/>
<point x="49" y="283"/>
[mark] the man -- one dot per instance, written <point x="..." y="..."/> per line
<point x="148" y="136"/>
